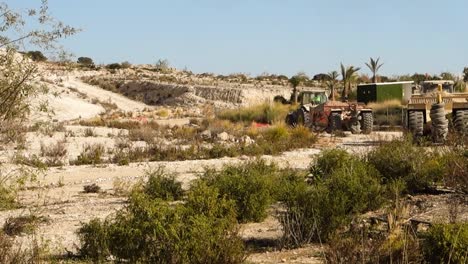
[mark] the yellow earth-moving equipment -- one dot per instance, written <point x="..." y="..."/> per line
<point x="427" y="112"/>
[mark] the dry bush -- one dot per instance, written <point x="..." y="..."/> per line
<point x="122" y="187"/>
<point x="91" y="188"/>
<point x="91" y="155"/>
<point x="12" y="253"/>
<point x="265" y="113"/>
<point x="15" y="226"/>
<point x="146" y="134"/>
<point x="54" y="153"/>
<point x="89" y="132"/>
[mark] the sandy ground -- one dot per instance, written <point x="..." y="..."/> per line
<point x="122" y="102"/>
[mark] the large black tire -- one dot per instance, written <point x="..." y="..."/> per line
<point x="334" y="122"/>
<point x="460" y="121"/>
<point x="416" y="123"/>
<point x="367" y="122"/>
<point x="291" y="119"/>
<point x="439" y="123"/>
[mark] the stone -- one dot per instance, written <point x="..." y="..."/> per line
<point x="206" y="134"/>
<point x="223" y="136"/>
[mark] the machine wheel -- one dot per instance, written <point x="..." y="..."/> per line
<point x="367" y="122"/>
<point x="291" y="119"/>
<point x="439" y="123"/>
<point x="334" y="122"/>
<point x="303" y="118"/>
<point x="460" y="121"/>
<point x="416" y="122"/>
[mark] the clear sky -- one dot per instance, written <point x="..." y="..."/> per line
<point x="274" y="36"/>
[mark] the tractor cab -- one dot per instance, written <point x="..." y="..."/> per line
<point x="312" y="97"/>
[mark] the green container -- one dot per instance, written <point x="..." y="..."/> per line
<point x="381" y="92"/>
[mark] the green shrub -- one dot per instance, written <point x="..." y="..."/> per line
<point x="328" y="161"/>
<point x="161" y="185"/>
<point x="400" y="159"/>
<point x="446" y="243"/>
<point x="202" y="230"/>
<point x="249" y="185"/>
<point x="94" y="240"/>
<point x="314" y="212"/>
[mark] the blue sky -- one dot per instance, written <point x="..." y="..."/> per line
<point x="274" y="36"/>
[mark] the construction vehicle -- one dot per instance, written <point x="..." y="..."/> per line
<point x="426" y="112"/>
<point x="332" y="116"/>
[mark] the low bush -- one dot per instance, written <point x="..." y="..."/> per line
<point x="367" y="244"/>
<point x="91" y="188"/>
<point x="446" y="243"/>
<point x="201" y="230"/>
<point x="54" y="153"/>
<point x="401" y="159"/>
<point x="250" y="185"/>
<point x="314" y="212"/>
<point x="15" y="226"/>
<point x="91" y="155"/>
<point x="162" y="185"/>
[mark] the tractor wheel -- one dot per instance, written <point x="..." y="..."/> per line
<point x="439" y="123"/>
<point x="461" y="121"/>
<point x="303" y="118"/>
<point x="416" y="123"/>
<point x="290" y="119"/>
<point x="334" y="122"/>
<point x="367" y="122"/>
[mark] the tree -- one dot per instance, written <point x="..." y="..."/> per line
<point x="332" y="82"/>
<point x="36" y="56"/>
<point x="321" y="77"/>
<point x="348" y="75"/>
<point x="295" y="81"/>
<point x="374" y="66"/>
<point x="31" y="28"/>
<point x="85" y="61"/>
<point x="447" y="76"/>
<point x="465" y="74"/>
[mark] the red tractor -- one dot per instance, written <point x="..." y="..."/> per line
<point x="334" y="115"/>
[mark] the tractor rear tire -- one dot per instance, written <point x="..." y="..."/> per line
<point x="367" y="122"/>
<point x="416" y="123"/>
<point x="460" y="121"/>
<point x="291" y="119"/>
<point x="334" y="122"/>
<point x="439" y="123"/>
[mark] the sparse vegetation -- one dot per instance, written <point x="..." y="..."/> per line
<point x="91" y="155"/>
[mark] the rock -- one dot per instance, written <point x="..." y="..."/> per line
<point x="223" y="136"/>
<point x="206" y="134"/>
<point x="246" y="140"/>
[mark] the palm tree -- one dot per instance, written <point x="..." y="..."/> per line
<point x="348" y="75"/>
<point x="332" y="82"/>
<point x="295" y="81"/>
<point x="374" y="66"/>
